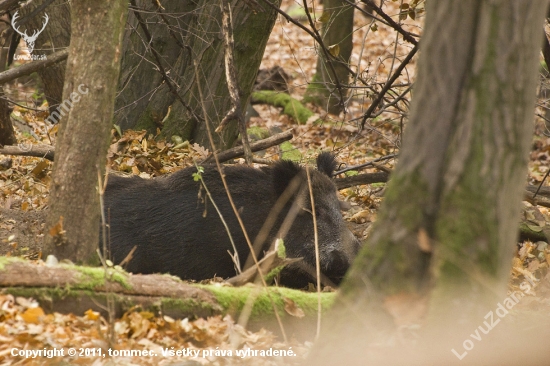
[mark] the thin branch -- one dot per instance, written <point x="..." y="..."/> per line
<point x="235" y="255"/>
<point x="317" y="256"/>
<point x="255" y="146"/>
<point x="388" y="85"/>
<point x="21" y="105"/>
<point x="361" y="166"/>
<point x="393" y="102"/>
<point x="406" y="35"/>
<point x="316" y="38"/>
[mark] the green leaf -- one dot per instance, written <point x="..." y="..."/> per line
<point x="334" y="50"/>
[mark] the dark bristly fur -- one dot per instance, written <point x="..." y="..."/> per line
<point x="177" y="230"/>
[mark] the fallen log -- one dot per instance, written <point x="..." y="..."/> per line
<point x="39" y="150"/>
<point x="74" y="289"/>
<point x="81" y="288"/>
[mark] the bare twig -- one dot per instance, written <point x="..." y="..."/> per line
<point x="406" y="35"/>
<point x="393" y="102"/>
<point x="235" y="255"/>
<point x="317" y="257"/>
<point x="361" y="166"/>
<point x="48" y="151"/>
<point x="270" y="261"/>
<point x="235" y="113"/>
<point x="388" y="85"/>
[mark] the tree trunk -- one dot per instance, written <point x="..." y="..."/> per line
<point x="147" y="101"/>
<point x="337" y="35"/>
<point x="87" y="111"/>
<point x="7" y="135"/>
<point x="448" y="225"/>
<point x="56" y="36"/>
<point x="251" y="31"/>
<point x="143" y="98"/>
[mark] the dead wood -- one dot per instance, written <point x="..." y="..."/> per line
<point x="20" y="273"/>
<point x="39" y="150"/>
<point x="255" y="146"/>
<point x="542" y="198"/>
<point x="356" y="180"/>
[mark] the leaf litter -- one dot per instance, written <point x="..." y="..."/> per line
<point x="24" y="183"/>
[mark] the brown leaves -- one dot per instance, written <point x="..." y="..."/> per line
<point x="293" y="309"/>
<point x="24" y="325"/>
<point x="33" y="315"/>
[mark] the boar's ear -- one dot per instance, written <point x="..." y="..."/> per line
<point x="283" y="173"/>
<point x="326" y="163"/>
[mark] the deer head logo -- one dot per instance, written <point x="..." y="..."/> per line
<point x="28" y="39"/>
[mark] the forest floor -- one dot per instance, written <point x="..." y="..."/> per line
<point x="24" y="183"/>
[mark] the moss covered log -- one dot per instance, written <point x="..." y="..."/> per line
<point x="291" y="106"/>
<point x="74" y="289"/>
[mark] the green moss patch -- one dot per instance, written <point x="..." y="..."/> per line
<point x="291" y="106"/>
<point x="233" y="299"/>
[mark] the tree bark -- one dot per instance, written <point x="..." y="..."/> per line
<point x="143" y="98"/>
<point x="251" y="32"/>
<point x="7" y="134"/>
<point x="337" y="32"/>
<point x="447" y="228"/>
<point x="147" y="101"/>
<point x="55" y="37"/>
<point x="83" y="138"/>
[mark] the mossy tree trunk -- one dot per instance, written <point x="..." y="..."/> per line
<point x="198" y="30"/>
<point x="337" y="33"/>
<point x="448" y="226"/>
<point x="90" y="85"/>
